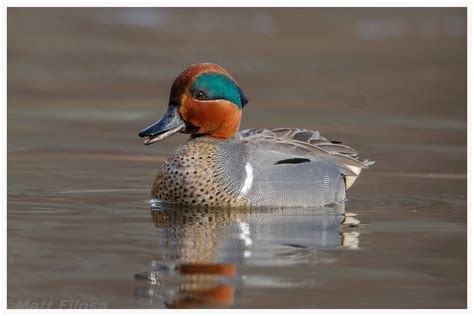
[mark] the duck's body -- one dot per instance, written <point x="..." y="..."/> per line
<point x="256" y="167"/>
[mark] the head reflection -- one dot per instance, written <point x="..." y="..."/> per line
<point x="202" y="249"/>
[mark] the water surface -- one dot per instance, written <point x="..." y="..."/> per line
<point x="389" y="82"/>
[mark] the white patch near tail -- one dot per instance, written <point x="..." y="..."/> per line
<point x="249" y="178"/>
<point x="354" y="169"/>
<point x="349" y="181"/>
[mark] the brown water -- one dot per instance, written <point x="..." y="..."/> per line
<point x="389" y="82"/>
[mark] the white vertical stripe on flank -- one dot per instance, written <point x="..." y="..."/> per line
<point x="248" y="179"/>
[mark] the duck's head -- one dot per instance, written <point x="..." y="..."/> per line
<point x="204" y="101"/>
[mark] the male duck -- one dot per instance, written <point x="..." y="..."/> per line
<point x="220" y="166"/>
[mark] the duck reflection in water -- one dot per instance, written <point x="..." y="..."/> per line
<point x="203" y="250"/>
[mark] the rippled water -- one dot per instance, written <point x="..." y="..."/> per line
<point x="80" y="228"/>
<point x="206" y="250"/>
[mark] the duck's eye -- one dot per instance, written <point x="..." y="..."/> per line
<point x="200" y="95"/>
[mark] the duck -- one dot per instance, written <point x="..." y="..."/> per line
<point x="220" y="166"/>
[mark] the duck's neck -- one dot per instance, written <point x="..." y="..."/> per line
<point x="213" y="136"/>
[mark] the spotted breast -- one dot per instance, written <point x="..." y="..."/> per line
<point x="203" y="172"/>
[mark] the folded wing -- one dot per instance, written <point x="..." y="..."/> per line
<point x="307" y="144"/>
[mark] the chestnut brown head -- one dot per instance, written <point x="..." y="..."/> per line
<point x="204" y="101"/>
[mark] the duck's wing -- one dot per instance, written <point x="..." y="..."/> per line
<point x="308" y="144"/>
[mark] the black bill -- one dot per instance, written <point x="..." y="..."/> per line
<point x="171" y="123"/>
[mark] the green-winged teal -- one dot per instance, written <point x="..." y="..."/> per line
<point x="220" y="166"/>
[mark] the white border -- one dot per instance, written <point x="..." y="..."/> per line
<point x="234" y="3"/>
<point x="207" y="3"/>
